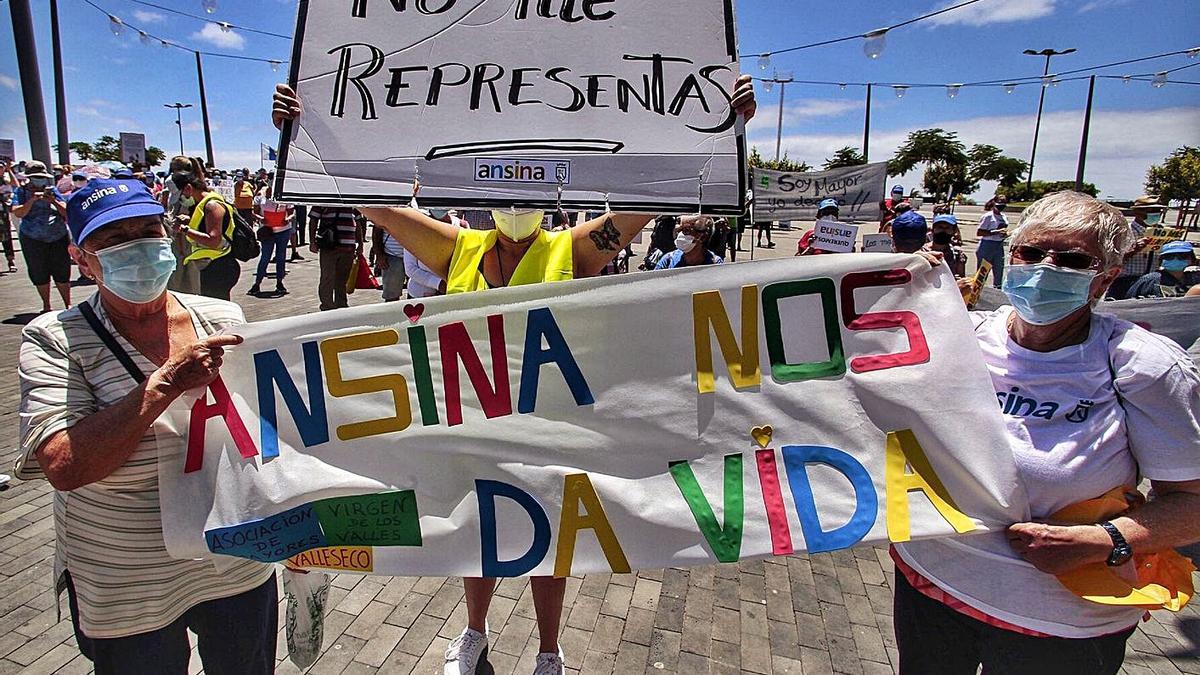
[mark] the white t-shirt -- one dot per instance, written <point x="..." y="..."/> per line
<point x="1073" y="440"/>
<point x="273" y="212"/>
<point x="989" y="222"/>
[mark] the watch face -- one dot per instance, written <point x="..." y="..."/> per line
<point x="1120" y="555"/>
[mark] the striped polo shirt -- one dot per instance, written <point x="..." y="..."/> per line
<point x="109" y="534"/>
<point x="346" y="221"/>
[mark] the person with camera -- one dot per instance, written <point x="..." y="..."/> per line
<point x="43" y="233"/>
<point x="337" y="234"/>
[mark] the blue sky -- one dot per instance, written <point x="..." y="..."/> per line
<point x="117" y="84"/>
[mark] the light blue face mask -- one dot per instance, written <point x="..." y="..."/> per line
<point x="1175" y="264"/>
<point x="137" y="271"/>
<point x="1153" y="219"/>
<point x="1044" y="294"/>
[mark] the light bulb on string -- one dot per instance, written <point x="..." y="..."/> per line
<point x="1010" y="88"/>
<point x="900" y="90"/>
<point x="225" y="28"/>
<point x="116" y="25"/>
<point x="165" y="44"/>
<point x="210" y="6"/>
<point x="1126" y="79"/>
<point x="1046" y="80"/>
<point x="1055" y="83"/>
<point x="1193" y="52"/>
<point x="1160" y="80"/>
<point x="874" y="43"/>
<point x="842" y="86"/>
<point x="764" y="61"/>
<point x="768" y="86"/>
<point x="144" y="38"/>
<point x="952" y="90"/>
<point x="275" y="66"/>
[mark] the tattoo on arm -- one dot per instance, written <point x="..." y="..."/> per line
<point x="607" y="238"/>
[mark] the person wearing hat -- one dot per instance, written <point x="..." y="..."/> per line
<point x="95" y="382"/>
<point x="910" y="232"/>
<point x="942" y="234"/>
<point x="1177" y="274"/>
<point x="43" y="233"/>
<point x="827" y="209"/>
<point x="1147" y="213"/>
<point x="691" y="245"/>
<point x="992" y="232"/>
<point x="887" y="208"/>
<point x="209" y="231"/>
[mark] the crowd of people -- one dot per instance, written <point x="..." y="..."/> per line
<point x="164" y="253"/>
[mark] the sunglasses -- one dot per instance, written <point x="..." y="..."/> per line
<point x="1075" y="260"/>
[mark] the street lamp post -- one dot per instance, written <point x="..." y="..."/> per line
<point x="782" y="80"/>
<point x="179" y="119"/>
<point x="1048" y="53"/>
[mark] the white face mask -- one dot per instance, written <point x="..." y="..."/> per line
<point x="518" y="224"/>
<point x="685" y="242"/>
<point x="829" y="217"/>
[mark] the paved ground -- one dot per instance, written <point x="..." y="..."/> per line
<point x="804" y="614"/>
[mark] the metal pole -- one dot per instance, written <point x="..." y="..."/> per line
<point x="779" y="134"/>
<point x="867" y="128"/>
<point x="1038" y="126"/>
<point x="1087" y="127"/>
<point x="31" y="80"/>
<point x="179" y="123"/>
<point x="60" y="88"/>
<point x="204" y="112"/>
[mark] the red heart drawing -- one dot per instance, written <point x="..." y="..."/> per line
<point x="414" y="312"/>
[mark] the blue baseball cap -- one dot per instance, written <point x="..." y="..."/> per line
<point x="103" y="201"/>
<point x="828" y="204"/>
<point x="123" y="172"/>
<point x="909" y="225"/>
<point x="945" y="218"/>
<point x="897" y="188"/>
<point x="1184" y="247"/>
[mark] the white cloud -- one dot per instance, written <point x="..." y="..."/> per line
<point x="1123" y="144"/>
<point x="995" y="11"/>
<point x="1100" y="4"/>
<point x="145" y="16"/>
<point x="213" y="125"/>
<point x="799" y="111"/>
<point x="215" y="36"/>
<point x="7" y="81"/>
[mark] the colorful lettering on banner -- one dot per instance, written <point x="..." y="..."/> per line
<point x="708" y="310"/>
<point x="542" y="326"/>
<point x="578" y="491"/>
<point x="725" y="541"/>
<point x="382" y="519"/>
<point x="419" y="347"/>
<point x="202" y="411"/>
<point x="494" y="397"/>
<point x="918" y="348"/>
<point x="311" y="421"/>
<point x="904" y="451"/>
<point x="331" y="351"/>
<point x="777" y="517"/>
<point x="486" y="492"/>
<point x="796" y="459"/>
<point x="798" y="372"/>
<point x="345" y="558"/>
<point x="270" y="539"/>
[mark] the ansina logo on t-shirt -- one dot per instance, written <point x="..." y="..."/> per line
<point x="1013" y="403"/>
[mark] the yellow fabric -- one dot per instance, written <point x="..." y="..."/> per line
<point x="549" y="258"/>
<point x="1161" y="580"/>
<point x="243" y="199"/>
<point x="197" y="223"/>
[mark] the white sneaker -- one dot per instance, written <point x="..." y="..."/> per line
<point x="549" y="664"/>
<point x="465" y="652"/>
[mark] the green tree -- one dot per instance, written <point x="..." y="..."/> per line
<point x="756" y="161"/>
<point x="108" y="149"/>
<point x="1041" y="188"/>
<point x="843" y="157"/>
<point x="1177" y="178"/>
<point x="987" y="162"/>
<point x="944" y="155"/>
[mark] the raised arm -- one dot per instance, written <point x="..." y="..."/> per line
<point x="598" y="241"/>
<point x="431" y="241"/>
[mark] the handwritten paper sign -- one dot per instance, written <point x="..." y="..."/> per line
<point x="8" y="150"/>
<point x="971" y="293"/>
<point x="495" y="102"/>
<point x="680" y="418"/>
<point x="133" y="148"/>
<point x="1161" y="236"/>
<point x="835" y="237"/>
<point x="877" y="243"/>
<point x="795" y="196"/>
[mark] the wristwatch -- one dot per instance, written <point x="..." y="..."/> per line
<point x="1121" y="551"/>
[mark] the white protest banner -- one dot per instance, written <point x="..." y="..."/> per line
<point x="835" y="237"/>
<point x="8" y="150"/>
<point x="496" y="102"/>
<point x="795" y="196"/>
<point x="133" y="148"/>
<point x="877" y="243"/>
<point x="677" y="418"/>
<point x="224" y="188"/>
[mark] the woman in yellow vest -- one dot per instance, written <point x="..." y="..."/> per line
<point x="516" y="253"/>
<point x="210" y="231"/>
<point x="243" y="195"/>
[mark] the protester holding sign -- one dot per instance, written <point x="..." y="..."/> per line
<point x="95" y="382"/>
<point x="1147" y="213"/>
<point x="1092" y="404"/>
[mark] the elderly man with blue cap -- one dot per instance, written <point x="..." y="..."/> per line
<point x="910" y="231"/>
<point x="1177" y="274"/>
<point x="96" y="381"/>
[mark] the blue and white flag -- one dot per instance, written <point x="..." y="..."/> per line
<point x="268" y="153"/>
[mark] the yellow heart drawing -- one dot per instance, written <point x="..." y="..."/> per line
<point x="762" y="435"/>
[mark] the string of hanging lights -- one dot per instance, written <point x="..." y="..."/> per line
<point x="209" y="7"/>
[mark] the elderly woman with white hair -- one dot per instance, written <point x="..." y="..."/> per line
<point x="1092" y="405"/>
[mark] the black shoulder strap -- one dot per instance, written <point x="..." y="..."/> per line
<point x="111" y="342"/>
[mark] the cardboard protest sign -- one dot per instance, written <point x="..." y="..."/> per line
<point x="133" y="148"/>
<point x="877" y="243"/>
<point x="1160" y="236"/>
<point x="610" y="424"/>
<point x="795" y="196"/>
<point x="835" y="237"/>
<point x="971" y="293"/>
<point x="610" y="103"/>
<point x="8" y="150"/>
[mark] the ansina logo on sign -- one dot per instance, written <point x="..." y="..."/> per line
<point x="494" y="170"/>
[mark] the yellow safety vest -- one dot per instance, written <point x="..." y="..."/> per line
<point x="197" y="223"/>
<point x="549" y="258"/>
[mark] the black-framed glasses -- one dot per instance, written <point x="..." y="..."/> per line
<point x="1075" y="260"/>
